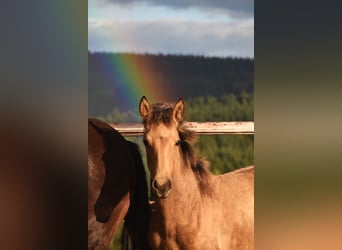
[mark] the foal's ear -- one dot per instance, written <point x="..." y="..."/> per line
<point x="144" y="107"/>
<point x="178" y="110"/>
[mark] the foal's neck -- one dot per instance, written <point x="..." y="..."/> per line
<point x="185" y="188"/>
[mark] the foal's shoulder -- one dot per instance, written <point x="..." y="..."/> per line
<point x="236" y="183"/>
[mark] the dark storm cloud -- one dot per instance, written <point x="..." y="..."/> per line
<point x="243" y="8"/>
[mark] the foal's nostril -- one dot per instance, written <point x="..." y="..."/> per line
<point x="161" y="185"/>
<point x="155" y="184"/>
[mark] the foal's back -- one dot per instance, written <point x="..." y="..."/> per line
<point x="235" y="193"/>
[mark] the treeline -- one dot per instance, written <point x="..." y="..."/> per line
<point x="227" y="107"/>
<point x="184" y="76"/>
<point x="225" y="152"/>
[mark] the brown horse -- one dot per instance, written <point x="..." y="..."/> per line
<point x="117" y="189"/>
<point x="193" y="209"/>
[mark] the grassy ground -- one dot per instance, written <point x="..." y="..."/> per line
<point x="115" y="244"/>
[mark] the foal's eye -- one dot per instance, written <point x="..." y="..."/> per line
<point x="145" y="142"/>
<point x="178" y="142"/>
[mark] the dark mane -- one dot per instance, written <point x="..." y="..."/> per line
<point x="199" y="165"/>
<point x="163" y="113"/>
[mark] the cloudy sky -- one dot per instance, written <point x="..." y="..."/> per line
<point x="201" y="27"/>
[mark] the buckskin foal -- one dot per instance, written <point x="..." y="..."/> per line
<point x="193" y="209"/>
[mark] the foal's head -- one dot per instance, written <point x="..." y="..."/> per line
<point x="163" y="142"/>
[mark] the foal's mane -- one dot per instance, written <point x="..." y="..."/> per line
<point x="163" y="113"/>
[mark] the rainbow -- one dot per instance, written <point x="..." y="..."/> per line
<point x="133" y="78"/>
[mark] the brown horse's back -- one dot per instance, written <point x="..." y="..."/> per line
<point x="235" y="191"/>
<point x="111" y="178"/>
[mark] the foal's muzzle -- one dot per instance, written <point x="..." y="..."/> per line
<point x="162" y="186"/>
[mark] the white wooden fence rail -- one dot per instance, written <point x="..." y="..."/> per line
<point x="204" y="128"/>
